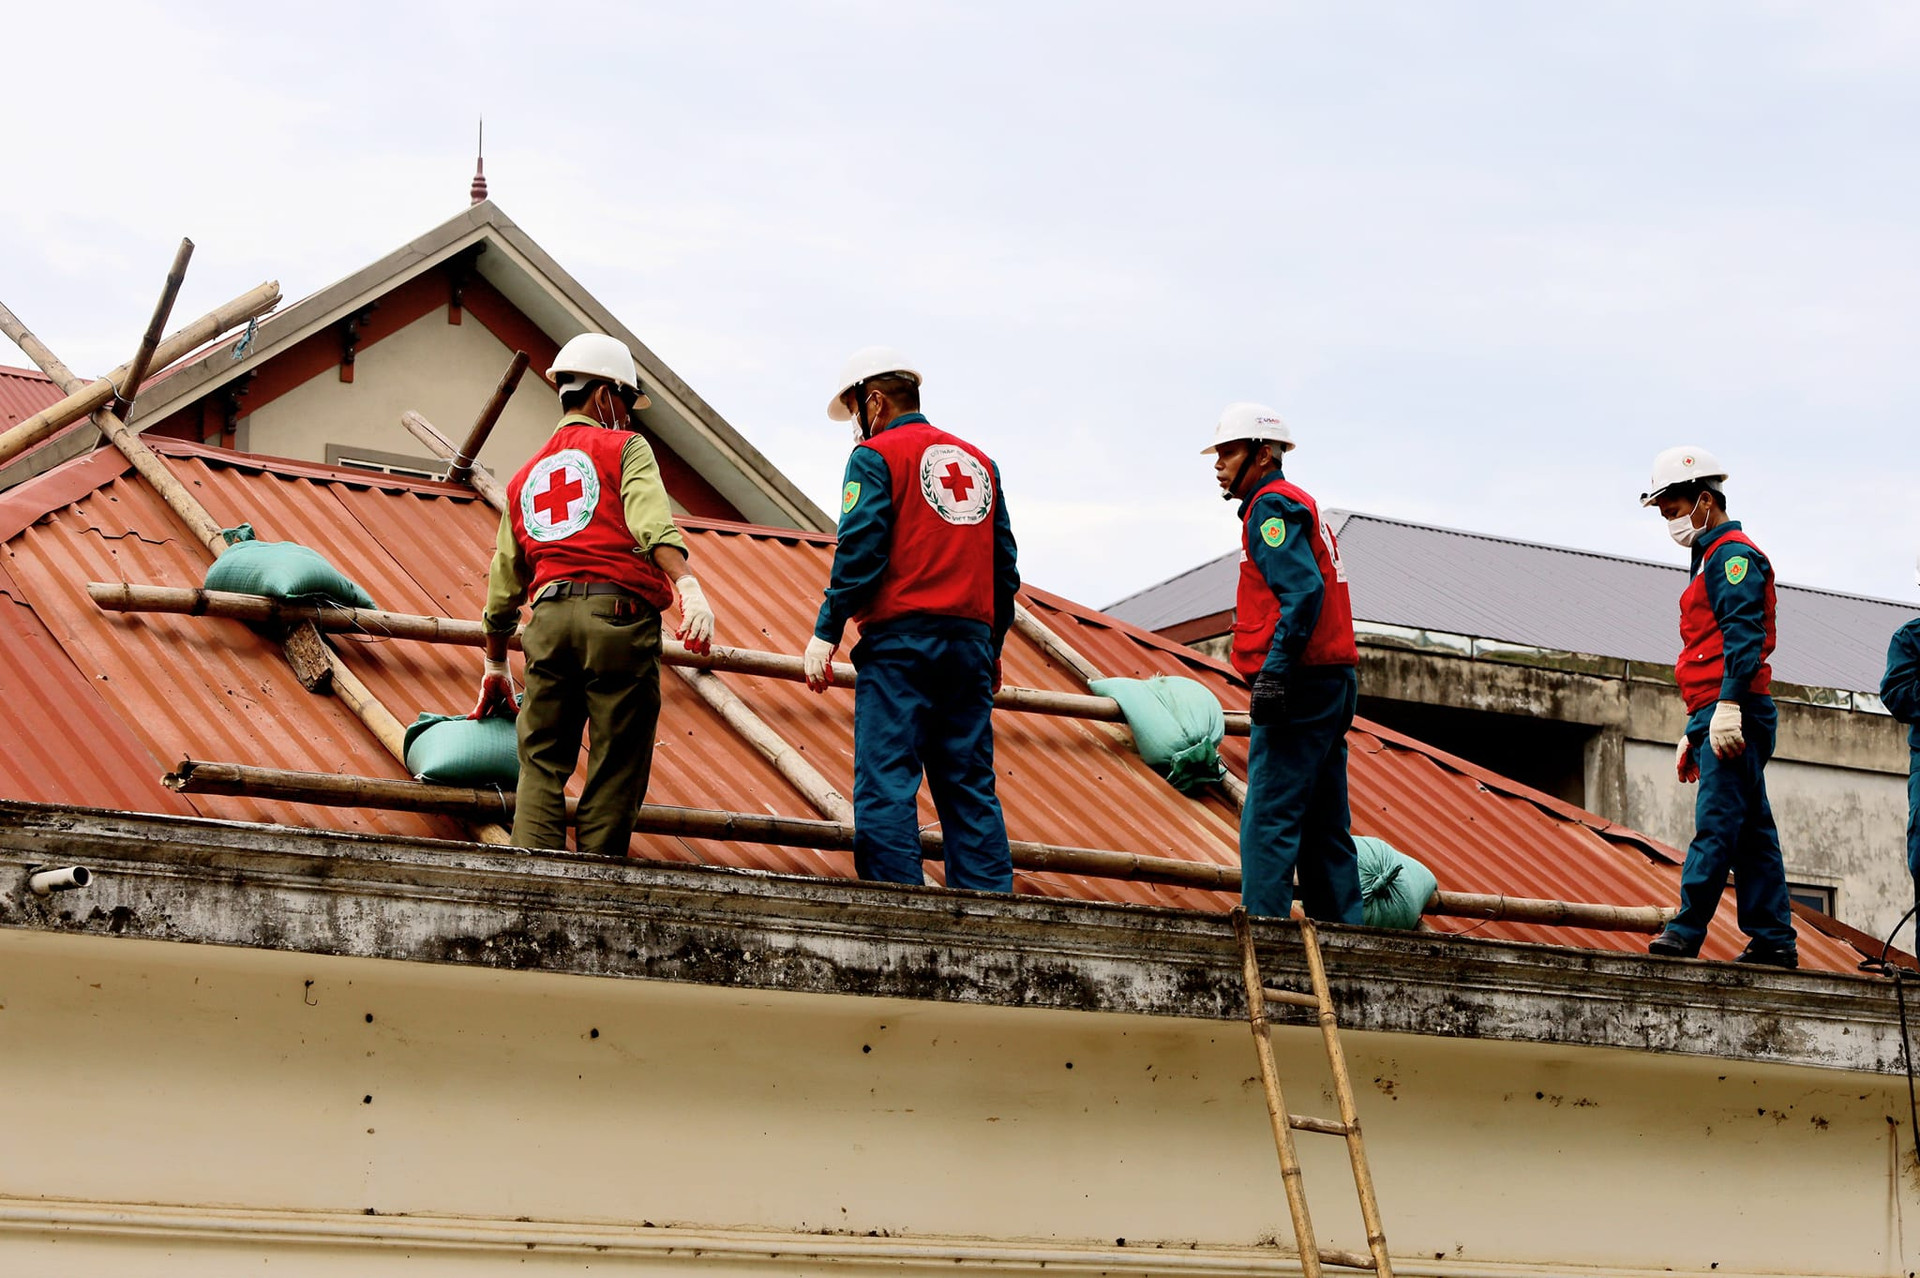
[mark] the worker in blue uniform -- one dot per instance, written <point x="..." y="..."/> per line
<point x="1900" y="690"/>
<point x="926" y="565"/>
<point x="1293" y="642"/>
<point x="1727" y="635"/>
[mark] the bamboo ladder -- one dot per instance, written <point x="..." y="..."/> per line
<point x="1285" y="1123"/>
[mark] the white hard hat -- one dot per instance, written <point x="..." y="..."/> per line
<point x="1254" y="422"/>
<point x="864" y="364"/>
<point x="1683" y="465"/>
<point x="596" y="357"/>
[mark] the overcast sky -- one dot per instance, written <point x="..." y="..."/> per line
<point x="1486" y="259"/>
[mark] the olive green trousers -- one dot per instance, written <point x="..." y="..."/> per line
<point x="593" y="663"/>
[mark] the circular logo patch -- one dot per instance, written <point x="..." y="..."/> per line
<point x="956" y="484"/>
<point x="560" y="496"/>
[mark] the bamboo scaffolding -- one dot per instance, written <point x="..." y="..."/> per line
<point x="97" y="394"/>
<point x="461" y="471"/>
<point x="150" y="340"/>
<point x="128" y="597"/>
<point x="323" y="788"/>
<point x="1278" y="1117"/>
<point x="326" y="789"/>
<point x="187" y="509"/>
<point x="491" y="490"/>
<point x="1349" y="1111"/>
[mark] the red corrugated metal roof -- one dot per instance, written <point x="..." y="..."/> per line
<point x="123" y="692"/>
<point x="24" y="392"/>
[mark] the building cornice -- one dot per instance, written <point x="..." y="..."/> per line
<point x="324" y="893"/>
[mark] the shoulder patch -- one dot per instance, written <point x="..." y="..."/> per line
<point x="850" y="497"/>
<point x="1737" y="570"/>
<point x="1274" y="531"/>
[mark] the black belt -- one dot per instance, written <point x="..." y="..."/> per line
<point x="567" y="589"/>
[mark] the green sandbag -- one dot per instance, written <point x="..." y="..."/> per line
<point x="455" y="750"/>
<point x="281" y="570"/>
<point x="1177" y="724"/>
<point x="1394" y="888"/>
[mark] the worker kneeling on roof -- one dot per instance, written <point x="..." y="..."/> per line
<point x="926" y="565"/>
<point x="1900" y="690"/>
<point x="1293" y="641"/>
<point x="589" y="533"/>
<point x="1726" y="636"/>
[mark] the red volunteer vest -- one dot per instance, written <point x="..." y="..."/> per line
<point x="1256" y="611"/>
<point x="569" y="519"/>
<point x="1702" y="663"/>
<point x="941" y="559"/>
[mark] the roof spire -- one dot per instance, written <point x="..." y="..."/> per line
<point x="479" y="190"/>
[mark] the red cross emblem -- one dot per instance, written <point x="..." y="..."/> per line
<point x="957" y="481"/>
<point x="562" y="491"/>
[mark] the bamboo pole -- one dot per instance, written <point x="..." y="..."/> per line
<point x="1517" y="909"/>
<point x="36" y="350"/>
<point x="491" y="490"/>
<point x="755" y="731"/>
<point x="49" y="422"/>
<point x="330" y="789"/>
<point x="150" y="340"/>
<point x="1343" y="1095"/>
<point x="123" y="596"/>
<point x="461" y="471"/>
<point x="188" y="510"/>
<point x="1277" y="1116"/>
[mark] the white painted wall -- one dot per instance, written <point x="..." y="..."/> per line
<point x="202" y="1110"/>
<point x="443" y="371"/>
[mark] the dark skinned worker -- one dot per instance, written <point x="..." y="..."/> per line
<point x="925" y="563"/>
<point x="588" y="532"/>
<point x="1726" y="636"/>
<point x="1293" y="641"/>
<point x="1900" y="690"/>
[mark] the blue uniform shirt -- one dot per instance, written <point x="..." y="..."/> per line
<point x="866" y="534"/>
<point x="1739" y="608"/>
<point x="1290" y="571"/>
<point x="1901" y="687"/>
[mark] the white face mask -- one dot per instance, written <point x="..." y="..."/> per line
<point x="1681" y="528"/>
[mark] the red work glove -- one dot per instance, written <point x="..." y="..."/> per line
<point x="496" y="693"/>
<point x="999" y="677"/>
<point x="817" y="662"/>
<point x="1685" y="766"/>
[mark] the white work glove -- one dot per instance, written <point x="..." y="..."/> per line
<point x="1723" y="730"/>
<point x="496" y="692"/>
<point x="696" y="618"/>
<point x="1683" y="764"/>
<point x="817" y="661"/>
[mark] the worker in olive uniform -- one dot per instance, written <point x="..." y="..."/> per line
<point x="1726" y="636"/>
<point x="1900" y="690"/>
<point x="1293" y="641"/>
<point x="588" y="533"/>
<point x="925" y="563"/>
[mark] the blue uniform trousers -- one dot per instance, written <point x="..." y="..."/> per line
<point x="1913" y="830"/>
<point x="926" y="701"/>
<point x="1734" y="831"/>
<point x="1296" y="812"/>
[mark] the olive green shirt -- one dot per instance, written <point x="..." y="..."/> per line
<point x="649" y="519"/>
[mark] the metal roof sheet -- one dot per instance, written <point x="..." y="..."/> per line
<point x="24" y="392"/>
<point x="113" y="696"/>
<point x="1463" y="583"/>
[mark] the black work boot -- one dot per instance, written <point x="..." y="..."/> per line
<point x="1769" y="955"/>
<point x="1667" y="945"/>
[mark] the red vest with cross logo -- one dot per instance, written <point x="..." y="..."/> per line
<point x="569" y="519"/>
<point x="1256" y="610"/>
<point x="941" y="559"/>
<point x="1702" y="663"/>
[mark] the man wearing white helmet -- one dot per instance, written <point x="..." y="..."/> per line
<point x="925" y="563"/>
<point x="1726" y="636"/>
<point x="589" y="533"/>
<point x="1900" y="690"/>
<point x="1293" y="641"/>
